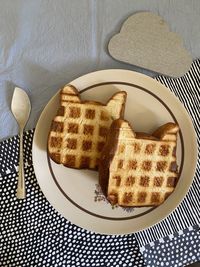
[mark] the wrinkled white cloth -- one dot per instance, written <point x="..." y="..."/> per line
<point x="45" y="44"/>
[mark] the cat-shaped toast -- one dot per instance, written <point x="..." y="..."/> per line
<point x="79" y="130"/>
<point x="139" y="169"/>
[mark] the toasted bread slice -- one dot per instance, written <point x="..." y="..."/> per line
<point x="137" y="169"/>
<point x="79" y="130"/>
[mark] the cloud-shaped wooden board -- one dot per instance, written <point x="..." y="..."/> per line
<point x="145" y="40"/>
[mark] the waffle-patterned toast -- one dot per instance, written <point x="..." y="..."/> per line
<point x="138" y="169"/>
<point x="79" y="130"/>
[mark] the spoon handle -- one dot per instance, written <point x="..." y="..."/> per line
<point x="21" y="190"/>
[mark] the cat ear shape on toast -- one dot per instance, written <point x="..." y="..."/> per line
<point x="69" y="94"/>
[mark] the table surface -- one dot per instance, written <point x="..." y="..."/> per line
<point x="46" y="44"/>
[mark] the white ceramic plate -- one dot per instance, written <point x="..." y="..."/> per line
<point x="75" y="193"/>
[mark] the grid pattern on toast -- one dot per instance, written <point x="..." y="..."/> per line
<point x="78" y="134"/>
<point x="147" y="177"/>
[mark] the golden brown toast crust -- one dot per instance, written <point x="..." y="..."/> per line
<point x="79" y="130"/>
<point x="138" y="169"/>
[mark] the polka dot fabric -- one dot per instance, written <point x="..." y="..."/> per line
<point x="181" y="250"/>
<point x="32" y="233"/>
<point x="9" y="152"/>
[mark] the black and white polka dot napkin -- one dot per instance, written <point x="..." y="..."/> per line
<point x="178" y="249"/>
<point x="33" y="234"/>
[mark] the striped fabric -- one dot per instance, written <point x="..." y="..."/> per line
<point x="187" y="89"/>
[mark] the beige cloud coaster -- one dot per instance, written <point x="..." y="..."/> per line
<point x="145" y="40"/>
